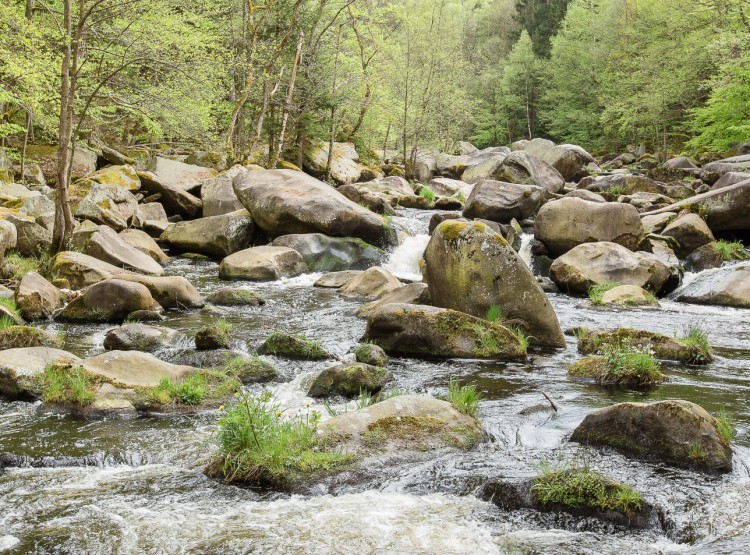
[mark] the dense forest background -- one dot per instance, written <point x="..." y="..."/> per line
<point x="258" y="78"/>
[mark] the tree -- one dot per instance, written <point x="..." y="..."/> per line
<point x="541" y="19"/>
<point x="521" y="86"/>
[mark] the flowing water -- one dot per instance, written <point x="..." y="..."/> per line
<point x="136" y="486"/>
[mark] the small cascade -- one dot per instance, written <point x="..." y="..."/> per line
<point x="524" y="251"/>
<point x="413" y="227"/>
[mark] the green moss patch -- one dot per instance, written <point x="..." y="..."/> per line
<point x="236" y="297"/>
<point x="291" y="346"/>
<point x="692" y="347"/>
<point x="13" y="337"/>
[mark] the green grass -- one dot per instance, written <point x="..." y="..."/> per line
<point x="459" y="196"/>
<point x="693" y="336"/>
<point x="67" y="386"/>
<point x="731" y="250"/>
<point x="621" y="364"/>
<point x="697" y="453"/>
<point x="463" y="398"/>
<point x="201" y="386"/>
<point x="282" y="344"/>
<point x="724" y="426"/>
<point x="494" y="313"/>
<point x="580" y="487"/>
<point x="596" y="292"/>
<point x="523" y="339"/>
<point x="616" y="190"/>
<point x="22" y="265"/>
<point x="259" y="444"/>
<point x="223" y="328"/>
<point x="426" y="192"/>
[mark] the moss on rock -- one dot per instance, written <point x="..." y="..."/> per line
<point x="291" y="346"/>
<point x="14" y="337"/>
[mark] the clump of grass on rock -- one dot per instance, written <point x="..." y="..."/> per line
<point x="463" y="398"/>
<point x="731" y="250"/>
<point x="367" y="353"/>
<point x="620" y="364"/>
<point x="67" y="386"/>
<point x="291" y="346"/>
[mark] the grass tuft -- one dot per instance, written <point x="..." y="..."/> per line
<point x="694" y="337"/>
<point x="724" y="426"/>
<point x="731" y="250"/>
<point x="494" y="313"/>
<point x="463" y="398"/>
<point x="596" y="292"/>
<point x="204" y="385"/>
<point x="67" y="386"/>
<point x="426" y="192"/>
<point x="621" y="364"/>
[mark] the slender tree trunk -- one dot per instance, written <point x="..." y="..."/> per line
<point x="288" y="101"/>
<point x="332" y="139"/>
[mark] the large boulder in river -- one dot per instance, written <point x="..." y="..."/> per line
<point x="674" y="431"/>
<point x="690" y="232"/>
<point x="349" y="380"/>
<point x="567" y="222"/>
<point x="179" y="175"/>
<point x="20" y="368"/>
<point x="109" y="301"/>
<point x="343" y="169"/>
<point x="143" y="242"/>
<point x="37" y="298"/>
<point x="103" y="243"/>
<point x="77" y="270"/>
<point x="105" y="204"/>
<point x="215" y="236"/>
<point x="286" y="201"/>
<point x="569" y="160"/>
<point x="262" y="264"/>
<point x="430" y="331"/>
<point x="411" y="293"/>
<point x="522" y="167"/>
<point x="141" y="337"/>
<point x="470" y="268"/>
<point x="218" y="197"/>
<point x="176" y="200"/>
<point x="598" y="263"/>
<point x="726" y="286"/>
<point x="171" y="292"/>
<point x="329" y="254"/>
<point x="127" y="369"/>
<point x="502" y="202"/>
<point x="371" y="284"/>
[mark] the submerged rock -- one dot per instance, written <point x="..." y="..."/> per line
<point x="326" y="254"/>
<point x="349" y="380"/>
<point x="675" y="431"/>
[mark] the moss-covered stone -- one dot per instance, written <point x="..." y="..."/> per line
<point x="236" y="297"/>
<point x="368" y="353"/>
<point x="212" y="337"/>
<point x="662" y="346"/>
<point x="252" y="369"/>
<point x="290" y="346"/>
<point x="349" y="380"/>
<point x="14" y="337"/>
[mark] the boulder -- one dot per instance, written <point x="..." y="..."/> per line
<point x="706" y="257"/>
<point x="175" y="200"/>
<point x="142" y="337"/>
<point x="394" y="186"/>
<point x="662" y="346"/>
<point x="21" y="367"/>
<point x="681" y="162"/>
<point x="402" y="423"/>
<point x="77" y="270"/>
<point x="598" y="263"/>
<point x="657" y="222"/>
<point x="40" y="208"/>
<point x="471" y="269"/>
<point x="208" y="159"/>
<point x="430" y="331"/>
<point x="236" y="297"/>
<point x="315" y="160"/>
<point x="215" y="236"/>
<point x="690" y="232"/>
<point x="465" y="147"/>
<point x="411" y="293"/>
<point x="674" y="431"/>
<point x="349" y="380"/>
<point x="84" y="161"/>
<point x="524" y="168"/>
<point x="262" y="264"/>
<point x="370" y="284"/>
<point x="445" y="187"/>
<point x="8" y="237"/>
<point x="36" y="298"/>
<point x="284" y="201"/>
<point x="568" y="222"/>
<point x="335" y="280"/>
<point x="711" y="172"/>
<point x="151" y="218"/>
<point x="218" y="197"/>
<point x="368" y="353"/>
<point x="502" y="202"/>
<point x="171" y="292"/>
<point x="105" y="204"/>
<point x="569" y="160"/>
<point x="629" y="295"/>
<point x="179" y="175"/>
<point x="292" y="346"/>
<point x="726" y="286"/>
<point x="10" y="192"/>
<point x="103" y="243"/>
<point x="483" y="170"/>
<point x="376" y="202"/>
<point x="326" y="254"/>
<point x="211" y="337"/>
<point x="112" y="156"/>
<point x="730" y="178"/>
<point x="109" y="301"/>
<point x="121" y="176"/>
<point x="129" y="369"/>
<point x="585" y="194"/>
<point x="142" y="241"/>
<point x="14" y="337"/>
<point x="30" y="238"/>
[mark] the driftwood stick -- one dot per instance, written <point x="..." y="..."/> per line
<point x="551" y="402"/>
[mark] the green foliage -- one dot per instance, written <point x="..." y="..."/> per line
<point x="694" y="336"/>
<point x="426" y="192"/>
<point x="5" y="320"/>
<point x="460" y="197"/>
<point x="580" y="487"/>
<point x="67" y="386"/>
<point x="223" y="329"/>
<point x="730" y="250"/>
<point x="196" y="388"/>
<point x="259" y="444"/>
<point x="464" y="398"/>
<point x="620" y="363"/>
<point x="494" y="313"/>
<point x="596" y="292"/>
<point x="724" y="426"/>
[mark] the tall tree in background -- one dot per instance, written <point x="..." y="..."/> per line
<point x="541" y="19"/>
<point x="521" y="86"/>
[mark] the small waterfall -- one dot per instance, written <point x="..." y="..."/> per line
<point x="404" y="260"/>
<point x="524" y="250"/>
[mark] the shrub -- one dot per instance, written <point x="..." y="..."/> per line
<point x="616" y="190"/>
<point x="731" y="250"/>
<point x="463" y="398"/>
<point x="259" y="444"/>
<point x="596" y="292"/>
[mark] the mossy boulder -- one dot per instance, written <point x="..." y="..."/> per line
<point x="349" y="380"/>
<point x="109" y="301"/>
<point x="84" y="160"/>
<point x="629" y="295"/>
<point x="251" y="369"/>
<point x="14" y="337"/>
<point x="80" y="270"/>
<point x="471" y="268"/>
<point x="141" y="337"/>
<point x="215" y="236"/>
<point x="326" y="254"/>
<point x="675" y="431"/>
<point x="103" y="243"/>
<point x="402" y="423"/>
<point x="37" y="298"/>
<point x="291" y="346"/>
<point x="626" y="370"/>
<point x="211" y="337"/>
<point x="429" y="331"/>
<point x="663" y="346"/>
<point x="20" y="368"/>
<point x="690" y="232"/>
<point x="368" y="353"/>
<point x="130" y="369"/>
<point x="105" y="204"/>
<point x="411" y="293"/>
<point x="236" y="297"/>
<point x="262" y="264"/>
<point x="122" y="175"/>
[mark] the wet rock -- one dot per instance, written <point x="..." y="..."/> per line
<point x="568" y="222"/>
<point x="103" y="243"/>
<point x="674" y="431"/>
<point x="216" y="236"/>
<point x="262" y="264"/>
<point x="20" y="368"/>
<point x="174" y="199"/>
<point x="663" y="346"/>
<point x="142" y="241"/>
<point x="502" y="202"/>
<point x="706" y="257"/>
<point x="236" y="297"/>
<point x="285" y="201"/>
<point x="405" y="422"/>
<point x="323" y="253"/>
<point x="629" y="295"/>
<point x="690" y="231"/>
<point x="368" y="353"/>
<point x="212" y="337"/>
<point x="371" y="284"/>
<point x="525" y="168"/>
<point x="411" y="293"/>
<point x="109" y="301"/>
<point x="336" y="280"/>
<point x="349" y="380"/>
<point x="430" y="331"/>
<point x="727" y="286"/>
<point x="127" y="369"/>
<point x="141" y="337"/>
<point x="105" y="204"/>
<point x="598" y="263"/>
<point x="12" y="337"/>
<point x="179" y="175"/>
<point x="471" y="269"/>
<point x="291" y="346"/>
<point x="36" y="298"/>
<point x="171" y="292"/>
